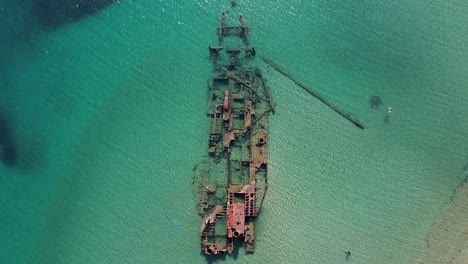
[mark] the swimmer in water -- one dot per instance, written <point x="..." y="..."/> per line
<point x="223" y="17"/>
<point x="389" y="113"/>
<point x="348" y="254"/>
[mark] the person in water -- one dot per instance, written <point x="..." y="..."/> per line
<point x="389" y="113"/>
<point x="348" y="254"/>
<point x="223" y="17"/>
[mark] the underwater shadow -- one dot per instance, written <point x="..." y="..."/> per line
<point x="375" y="101"/>
<point x="53" y="14"/>
<point x="8" y="153"/>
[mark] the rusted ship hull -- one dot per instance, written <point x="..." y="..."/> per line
<point x="231" y="184"/>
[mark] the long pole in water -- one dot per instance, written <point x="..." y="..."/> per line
<point x="311" y="92"/>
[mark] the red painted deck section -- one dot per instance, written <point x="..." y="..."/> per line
<point x="236" y="220"/>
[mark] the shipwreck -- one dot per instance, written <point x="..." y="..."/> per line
<point x="231" y="183"/>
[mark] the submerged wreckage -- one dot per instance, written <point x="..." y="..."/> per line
<point x="231" y="184"/>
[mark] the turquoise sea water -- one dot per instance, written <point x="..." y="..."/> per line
<point x="106" y="119"/>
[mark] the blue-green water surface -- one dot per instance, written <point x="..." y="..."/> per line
<point x="105" y="116"/>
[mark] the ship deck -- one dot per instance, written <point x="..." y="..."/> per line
<point x="231" y="183"/>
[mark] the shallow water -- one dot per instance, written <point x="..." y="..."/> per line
<point x="106" y="117"/>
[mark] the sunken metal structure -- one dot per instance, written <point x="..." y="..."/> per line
<point x="230" y="184"/>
